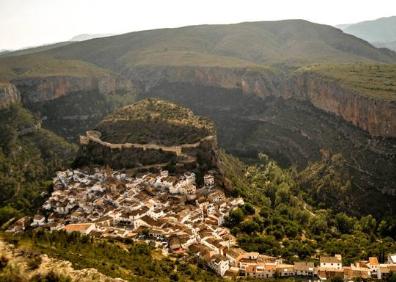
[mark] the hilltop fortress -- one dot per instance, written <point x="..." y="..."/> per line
<point x="119" y="143"/>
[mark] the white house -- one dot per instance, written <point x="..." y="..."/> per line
<point x="219" y="264"/>
<point x="209" y="180"/>
<point x="331" y="262"/>
<point x="304" y="268"/>
<point x="38" y="220"/>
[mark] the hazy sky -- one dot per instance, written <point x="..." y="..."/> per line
<point x="33" y="22"/>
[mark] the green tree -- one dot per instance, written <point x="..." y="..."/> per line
<point x="344" y="223"/>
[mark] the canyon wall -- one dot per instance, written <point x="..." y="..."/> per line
<point x="376" y="116"/>
<point x="41" y="89"/>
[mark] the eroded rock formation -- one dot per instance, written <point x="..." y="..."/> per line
<point x="9" y="94"/>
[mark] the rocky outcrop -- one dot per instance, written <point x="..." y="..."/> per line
<point x="19" y="259"/>
<point x="41" y="89"/>
<point x="376" y="116"/>
<point x="9" y="94"/>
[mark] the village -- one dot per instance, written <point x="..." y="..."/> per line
<point x="179" y="218"/>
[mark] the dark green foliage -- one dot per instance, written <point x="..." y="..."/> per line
<point x="337" y="279"/>
<point x="34" y="261"/>
<point x="344" y="223"/>
<point x="248" y="209"/>
<point x="29" y="156"/>
<point x="50" y="277"/>
<point x="392" y="278"/>
<point x="284" y="224"/>
<point x="155" y="121"/>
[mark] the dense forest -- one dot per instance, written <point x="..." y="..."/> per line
<point x="282" y="216"/>
<point x="29" y="156"/>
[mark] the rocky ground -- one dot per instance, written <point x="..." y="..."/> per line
<point x="20" y="260"/>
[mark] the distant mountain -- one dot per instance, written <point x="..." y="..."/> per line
<point x="82" y="37"/>
<point x="378" y="32"/>
<point x="343" y="26"/>
<point x="389" y="45"/>
<point x="45" y="47"/>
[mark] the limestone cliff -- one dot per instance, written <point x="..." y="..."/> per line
<point x="41" y="89"/>
<point x="376" y="116"/>
<point x="260" y="81"/>
<point x="9" y="94"/>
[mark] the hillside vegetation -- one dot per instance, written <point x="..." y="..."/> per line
<point x="132" y="261"/>
<point x="283" y="215"/>
<point x="290" y="41"/>
<point x="155" y="121"/>
<point x="29" y="155"/>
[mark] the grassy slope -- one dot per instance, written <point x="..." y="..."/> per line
<point x="39" y="65"/>
<point x="33" y="50"/>
<point x="292" y="41"/>
<point x="377" y="81"/>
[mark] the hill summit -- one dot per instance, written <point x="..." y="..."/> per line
<point x="153" y="121"/>
<point x="151" y="134"/>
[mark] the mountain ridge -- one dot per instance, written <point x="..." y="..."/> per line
<point x="380" y="32"/>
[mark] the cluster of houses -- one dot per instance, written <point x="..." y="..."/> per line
<point x="179" y="217"/>
<point x="235" y="262"/>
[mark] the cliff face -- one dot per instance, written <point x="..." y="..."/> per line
<point x="377" y="117"/>
<point x="261" y="82"/>
<point x="43" y="89"/>
<point x="9" y="94"/>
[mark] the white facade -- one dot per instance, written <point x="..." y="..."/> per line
<point x="220" y="266"/>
